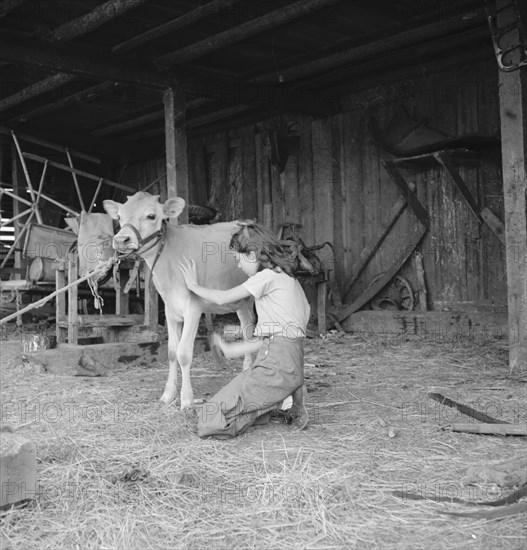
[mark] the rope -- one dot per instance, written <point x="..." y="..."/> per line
<point x="102" y="268"/>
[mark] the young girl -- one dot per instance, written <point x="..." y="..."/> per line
<point x="283" y="314"/>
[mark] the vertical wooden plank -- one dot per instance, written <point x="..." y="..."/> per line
<point x="277" y="187"/>
<point x="249" y="185"/>
<point x="221" y="174"/>
<point x="328" y="257"/>
<point x="197" y="173"/>
<point x="176" y="146"/>
<point x="471" y="243"/>
<point x="291" y="192"/>
<point x="235" y="208"/>
<point x="371" y="196"/>
<point x="352" y="191"/>
<point x="437" y="101"/>
<point x="323" y="180"/>
<point x="513" y="109"/>
<point x="263" y="181"/>
<point x="321" y="307"/>
<point x="258" y="146"/>
<point x="305" y="181"/>
<point x="493" y="272"/>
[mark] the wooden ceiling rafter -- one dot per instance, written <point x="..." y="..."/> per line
<point x="61" y="60"/>
<point x="93" y="19"/>
<point x="258" y="25"/>
<point x="379" y="47"/>
<point x="33" y="52"/>
<point x="306" y="84"/>
<point x="34" y="90"/>
<point x="113" y="8"/>
<point x="415" y="55"/>
<point x="9" y="5"/>
<point x="187" y="19"/>
<point x="86" y="93"/>
<point x="72" y="29"/>
<point x="141" y="119"/>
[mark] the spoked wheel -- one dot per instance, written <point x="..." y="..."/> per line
<point x="396" y="295"/>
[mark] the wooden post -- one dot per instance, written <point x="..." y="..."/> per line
<point x="151" y="301"/>
<point x="60" y="303"/>
<point x="513" y="111"/>
<point x="121" y="298"/>
<point x="176" y="146"/>
<point x="15" y="180"/>
<point x="73" y="296"/>
<point x="321" y="307"/>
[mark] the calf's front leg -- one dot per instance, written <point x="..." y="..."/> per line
<point x="174" y="336"/>
<point x="185" y="353"/>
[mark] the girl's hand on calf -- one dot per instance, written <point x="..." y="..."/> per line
<point x="188" y="269"/>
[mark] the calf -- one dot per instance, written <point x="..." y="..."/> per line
<point x="146" y="231"/>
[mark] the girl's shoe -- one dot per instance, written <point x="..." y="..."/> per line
<point x="299" y="417"/>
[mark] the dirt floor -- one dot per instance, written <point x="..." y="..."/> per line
<point x="117" y="471"/>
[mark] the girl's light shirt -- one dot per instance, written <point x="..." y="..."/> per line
<point x="282" y="306"/>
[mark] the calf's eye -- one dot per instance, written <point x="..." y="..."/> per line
<point x="151" y="216"/>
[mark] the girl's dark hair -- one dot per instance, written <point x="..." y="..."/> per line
<point x="270" y="252"/>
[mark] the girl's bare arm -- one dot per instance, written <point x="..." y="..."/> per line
<point x="213" y="295"/>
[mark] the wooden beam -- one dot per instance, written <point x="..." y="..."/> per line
<point x="413" y="201"/>
<point x="133" y="122"/>
<point x="128" y="124"/>
<point x="35" y="53"/>
<point x="36" y="89"/>
<point x="72" y="29"/>
<point x="369" y="250"/>
<point x="8" y="5"/>
<point x="513" y="111"/>
<point x="87" y="93"/>
<point x="189" y="18"/>
<point x="410" y="37"/>
<point x="237" y="121"/>
<point x="388" y="275"/>
<point x="277" y="96"/>
<point x="494" y="223"/>
<point x="446" y="162"/>
<point x="228" y="90"/>
<point x="427" y="59"/>
<point x="94" y="19"/>
<point x="235" y="34"/>
<point x="176" y="146"/>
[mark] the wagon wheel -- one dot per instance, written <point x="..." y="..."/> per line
<point x="396" y="295"/>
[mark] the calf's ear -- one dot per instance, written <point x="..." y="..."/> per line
<point x="173" y="207"/>
<point x="73" y="224"/>
<point x="112" y="208"/>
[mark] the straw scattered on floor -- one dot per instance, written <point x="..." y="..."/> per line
<point x="118" y="471"/>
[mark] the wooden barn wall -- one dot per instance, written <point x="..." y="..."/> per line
<point x="334" y="184"/>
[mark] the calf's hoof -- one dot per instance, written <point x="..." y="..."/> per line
<point x="187" y="404"/>
<point x="166" y="399"/>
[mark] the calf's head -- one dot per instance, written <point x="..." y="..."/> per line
<point x="140" y="217"/>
